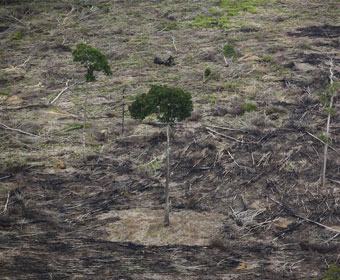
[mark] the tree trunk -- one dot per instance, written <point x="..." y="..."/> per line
<point x="123" y="113"/>
<point x="324" y="166"/>
<point x="325" y="151"/>
<point x="166" y="190"/>
<point x="84" y="122"/>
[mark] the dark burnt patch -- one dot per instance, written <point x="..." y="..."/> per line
<point x="62" y="48"/>
<point x="315" y="58"/>
<point x="325" y="31"/>
<point x="3" y="28"/>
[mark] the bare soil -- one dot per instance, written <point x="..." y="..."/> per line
<point x="246" y="196"/>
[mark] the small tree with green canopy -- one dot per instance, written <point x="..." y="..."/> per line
<point x="93" y="60"/>
<point x="170" y="105"/>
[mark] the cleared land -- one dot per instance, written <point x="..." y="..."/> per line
<point x="246" y="166"/>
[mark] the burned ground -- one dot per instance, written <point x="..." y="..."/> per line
<point x="250" y="156"/>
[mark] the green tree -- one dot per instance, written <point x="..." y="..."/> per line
<point x="93" y="60"/>
<point x="170" y="105"/>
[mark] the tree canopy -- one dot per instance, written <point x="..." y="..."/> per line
<point x="92" y="59"/>
<point x="169" y="104"/>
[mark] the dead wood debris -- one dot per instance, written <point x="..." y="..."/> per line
<point x="170" y="61"/>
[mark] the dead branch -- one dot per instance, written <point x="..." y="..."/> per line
<point x="64" y="90"/>
<point x="223" y="135"/>
<point x="226" y="61"/>
<point x="6" y="204"/>
<point x="334" y="181"/>
<point x="333" y="237"/>
<point x="306" y="219"/>
<point x="224" y="128"/>
<point x="29" y="106"/>
<point x="6" y="177"/>
<point x="11" y="17"/>
<point x="317" y="138"/>
<point x="240" y="166"/>
<point x="18" y="130"/>
<point x="173" y="42"/>
<point x="25" y="62"/>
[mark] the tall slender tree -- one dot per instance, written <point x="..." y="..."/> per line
<point x="170" y="105"/>
<point x="93" y="60"/>
<point x="331" y="92"/>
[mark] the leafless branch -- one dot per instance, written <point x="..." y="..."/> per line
<point x="64" y="90"/>
<point x="10" y="16"/>
<point x="6" y="204"/>
<point x="223" y="135"/>
<point x="173" y="42"/>
<point x="317" y="138"/>
<point x="25" y="62"/>
<point x="18" y="130"/>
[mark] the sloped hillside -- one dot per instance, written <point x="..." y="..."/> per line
<point x="246" y="196"/>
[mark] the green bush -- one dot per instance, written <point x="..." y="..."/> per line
<point x="266" y="58"/>
<point x="168" y="26"/>
<point x="207" y="72"/>
<point x="333" y="273"/>
<point x="228" y="50"/>
<point x="17" y="35"/>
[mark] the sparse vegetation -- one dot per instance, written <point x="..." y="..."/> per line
<point x="17" y="35"/>
<point x="221" y="15"/>
<point x="266" y="58"/>
<point x="249" y="107"/>
<point x="245" y="166"/>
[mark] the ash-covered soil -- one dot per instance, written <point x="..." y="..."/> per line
<point x="250" y="156"/>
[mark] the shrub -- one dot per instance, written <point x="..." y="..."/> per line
<point x="249" y="107"/>
<point x="17" y="36"/>
<point x="266" y="58"/>
<point x="333" y="273"/>
<point x="207" y="72"/>
<point x="228" y="50"/>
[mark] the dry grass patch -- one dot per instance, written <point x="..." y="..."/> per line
<point x="145" y="226"/>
